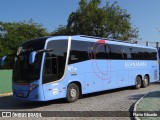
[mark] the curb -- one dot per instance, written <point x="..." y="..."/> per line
<point x="6" y="94"/>
<point x="135" y="105"/>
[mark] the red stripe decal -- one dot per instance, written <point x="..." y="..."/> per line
<point x="101" y="41"/>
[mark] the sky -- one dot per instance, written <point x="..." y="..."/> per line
<point x="145" y="14"/>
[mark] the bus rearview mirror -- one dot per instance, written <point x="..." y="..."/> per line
<point x="32" y="57"/>
<point x="3" y="61"/>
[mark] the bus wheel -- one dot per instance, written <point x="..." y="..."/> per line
<point x="138" y="82"/>
<point x="72" y="92"/>
<point x="145" y="82"/>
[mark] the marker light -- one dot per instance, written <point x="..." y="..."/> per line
<point x="33" y="87"/>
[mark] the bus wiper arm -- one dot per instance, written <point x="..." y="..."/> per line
<point x="44" y="50"/>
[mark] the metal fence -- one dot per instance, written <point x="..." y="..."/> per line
<point x="149" y="43"/>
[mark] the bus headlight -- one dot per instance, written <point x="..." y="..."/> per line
<point x="33" y="87"/>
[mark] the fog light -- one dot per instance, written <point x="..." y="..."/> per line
<point x="33" y="87"/>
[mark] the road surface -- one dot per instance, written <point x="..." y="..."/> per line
<point x="113" y="100"/>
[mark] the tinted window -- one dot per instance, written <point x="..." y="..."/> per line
<point x="54" y="65"/>
<point x="147" y="55"/>
<point x="115" y="51"/>
<point x="127" y="53"/>
<point x="143" y="54"/>
<point x="139" y="52"/>
<point x="79" y="51"/>
<point x="153" y="54"/>
<point x="100" y="51"/>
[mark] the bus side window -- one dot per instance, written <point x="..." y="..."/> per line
<point x="54" y="65"/>
<point x="153" y="55"/>
<point x="48" y="66"/>
<point x="127" y="53"/>
<point x="79" y="52"/>
<point x="101" y="51"/>
<point x="147" y="55"/>
<point x="116" y="52"/>
<point x="138" y="53"/>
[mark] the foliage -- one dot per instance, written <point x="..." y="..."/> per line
<point x="61" y="30"/>
<point x="118" y="24"/>
<point x="16" y="34"/>
<point x="107" y="21"/>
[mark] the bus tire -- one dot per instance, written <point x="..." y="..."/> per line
<point x="138" y="82"/>
<point x="145" y="82"/>
<point x="72" y="92"/>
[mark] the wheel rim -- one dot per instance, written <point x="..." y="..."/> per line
<point x="138" y="82"/>
<point x="73" y="93"/>
<point x="146" y="81"/>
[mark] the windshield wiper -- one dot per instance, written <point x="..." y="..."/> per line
<point x="45" y="50"/>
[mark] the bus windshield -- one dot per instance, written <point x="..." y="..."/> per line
<point x="23" y="72"/>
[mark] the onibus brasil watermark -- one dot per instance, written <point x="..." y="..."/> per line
<point x="21" y="114"/>
<point x="146" y="114"/>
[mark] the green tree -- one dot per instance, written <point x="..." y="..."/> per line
<point x="61" y="30"/>
<point x="16" y="34"/>
<point x="108" y="21"/>
<point x="118" y="23"/>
